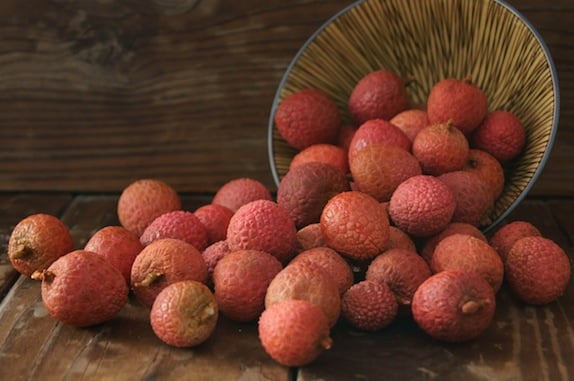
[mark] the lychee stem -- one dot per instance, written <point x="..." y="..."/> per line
<point x="22" y="251"/>
<point x="150" y="279"/>
<point x="43" y="275"/>
<point x="327" y="342"/>
<point x="473" y="306"/>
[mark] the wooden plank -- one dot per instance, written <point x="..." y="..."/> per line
<point x="33" y="345"/>
<point x="95" y="93"/>
<point x="523" y="342"/>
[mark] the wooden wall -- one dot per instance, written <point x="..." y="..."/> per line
<point x="97" y="93"/>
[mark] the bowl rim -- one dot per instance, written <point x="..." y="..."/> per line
<point x="503" y="3"/>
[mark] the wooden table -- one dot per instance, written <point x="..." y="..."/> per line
<point x="522" y="343"/>
<point x="95" y="94"/>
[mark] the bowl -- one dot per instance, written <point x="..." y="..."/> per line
<point x="429" y="41"/>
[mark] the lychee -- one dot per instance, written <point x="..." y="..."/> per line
<point x="307" y="117"/>
<point x="440" y="148"/>
<point x="369" y="305"/>
<point x="506" y="236"/>
<point x="429" y="244"/>
<point x="309" y="236"/>
<point x="454" y="305"/>
<point x="422" y="206"/>
<point x="538" y="270"/>
<point x="488" y="168"/>
<point x="37" y="241"/>
<point x="294" y="332"/>
<point x="238" y="192"/>
<point x="355" y="225"/>
<point x="211" y="255"/>
<point x="143" y="201"/>
<point x="305" y="189"/>
<point x="322" y="153"/>
<point x="179" y="224"/>
<point x="263" y="225"/>
<point x="378" y="169"/>
<point x="501" y="134"/>
<point x="411" y="121"/>
<point x="459" y="101"/>
<point x="377" y="131"/>
<point x="215" y="218"/>
<point x="379" y="94"/>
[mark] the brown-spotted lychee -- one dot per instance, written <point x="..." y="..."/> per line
<point x="184" y="314"/>
<point x="306" y="188"/>
<point x="37" y="241"/>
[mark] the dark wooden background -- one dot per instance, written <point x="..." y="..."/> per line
<point x="97" y="93"/>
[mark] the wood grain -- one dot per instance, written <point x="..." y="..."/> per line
<point x="95" y="94"/>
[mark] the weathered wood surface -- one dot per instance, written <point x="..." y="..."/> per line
<point x="94" y="94"/>
<point x="523" y="343"/>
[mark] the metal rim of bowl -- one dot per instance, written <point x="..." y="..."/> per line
<point x="529" y="25"/>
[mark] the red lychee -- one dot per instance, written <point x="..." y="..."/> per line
<point x="179" y="224"/>
<point x="506" y="236"/>
<point x="411" y="121"/>
<point x="377" y="131"/>
<point x="322" y="153"/>
<point x="215" y="218"/>
<point x="501" y="134"/>
<point x="238" y="192"/>
<point x="307" y="117"/>
<point x="488" y="168"/>
<point x="369" y="305"/>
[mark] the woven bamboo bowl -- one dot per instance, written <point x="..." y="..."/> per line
<point x="429" y="41"/>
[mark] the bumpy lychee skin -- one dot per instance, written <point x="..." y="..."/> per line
<point x="488" y="168"/>
<point x="143" y="201"/>
<point x="179" y="224"/>
<point x="306" y="281"/>
<point x="263" y="225"/>
<point x="82" y="289"/>
<point x="37" y="241"/>
<point x="294" y="332"/>
<point x="506" y="236"/>
<point x="238" y="192"/>
<point x="355" y="225"/>
<point x="118" y="245"/>
<point x="440" y="148"/>
<point x="422" y="206"/>
<point x="537" y="270"/>
<point x="454" y="306"/>
<point x="398" y="239"/>
<point x="331" y="262"/>
<point x="322" y="153"/>
<point x="429" y="244"/>
<point x="379" y="94"/>
<point x="460" y="101"/>
<point x="464" y="252"/>
<point x="307" y="117"/>
<point x="240" y="280"/>
<point x="378" y="169"/>
<point x="211" y="255"/>
<point x="305" y="189"/>
<point x="411" y="121"/>
<point x="501" y="134"/>
<point x="184" y="314"/>
<point x="369" y="305"/>
<point x="403" y="271"/>
<point x="215" y="218"/>
<point x="377" y="131"/>
<point x="163" y="262"/>
<point x="309" y="236"/>
<point x="473" y="197"/>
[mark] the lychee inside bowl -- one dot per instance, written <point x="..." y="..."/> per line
<point x="424" y="42"/>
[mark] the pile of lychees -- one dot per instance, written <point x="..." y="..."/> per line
<point x="375" y="221"/>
